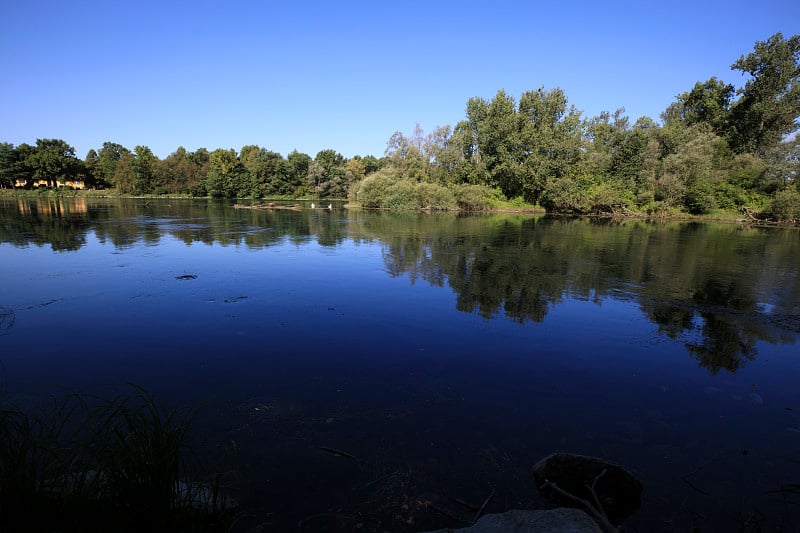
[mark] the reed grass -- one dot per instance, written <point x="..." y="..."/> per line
<point x="88" y="464"/>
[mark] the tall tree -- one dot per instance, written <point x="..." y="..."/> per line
<point x="124" y="178"/>
<point x="498" y="140"/>
<point x="52" y="160"/>
<point x="265" y="171"/>
<point x="8" y="165"/>
<point x="419" y="156"/>
<point x="550" y="140"/>
<point x="226" y="174"/>
<point x="91" y="168"/>
<point x="297" y="165"/>
<point x="177" y="173"/>
<point x="107" y="158"/>
<point x="769" y="106"/>
<point x="371" y="163"/>
<point x="708" y="102"/>
<point x="327" y="174"/>
<point x="144" y="167"/>
<point x="784" y="163"/>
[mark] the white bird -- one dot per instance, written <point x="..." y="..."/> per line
<point x="330" y="206"/>
<point x="312" y="205"/>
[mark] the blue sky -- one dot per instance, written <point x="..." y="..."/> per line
<point x="345" y="75"/>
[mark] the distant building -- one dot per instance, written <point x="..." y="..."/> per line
<point x="72" y="184"/>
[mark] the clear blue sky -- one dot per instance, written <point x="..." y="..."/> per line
<point x="345" y="75"/>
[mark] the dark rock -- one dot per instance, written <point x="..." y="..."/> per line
<point x="516" y="521"/>
<point x="619" y="492"/>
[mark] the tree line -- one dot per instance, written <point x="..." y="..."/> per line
<point x="253" y="171"/>
<point x="716" y="147"/>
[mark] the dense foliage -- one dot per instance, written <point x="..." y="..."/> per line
<point x="717" y="147"/>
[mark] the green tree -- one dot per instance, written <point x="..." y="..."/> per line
<point x="405" y="154"/>
<point x="370" y="162"/>
<point x="91" y="166"/>
<point x="691" y="174"/>
<point x="618" y="157"/>
<point x="327" y="174"/>
<point x="226" y="174"/>
<point x="297" y="168"/>
<point x="23" y="169"/>
<point x="355" y="170"/>
<point x="785" y="206"/>
<point x="550" y="140"/>
<point x="201" y="167"/>
<point x="177" y="173"/>
<point x="498" y="141"/>
<point x="707" y="102"/>
<point x="124" y="177"/>
<point x="784" y="163"/>
<point x="8" y="165"/>
<point x="52" y="160"/>
<point x="108" y="156"/>
<point x="266" y="171"/>
<point x="144" y="168"/>
<point x="769" y="106"/>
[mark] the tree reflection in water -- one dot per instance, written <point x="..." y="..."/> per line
<point x="720" y="287"/>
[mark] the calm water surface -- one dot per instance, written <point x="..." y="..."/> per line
<point x="447" y="354"/>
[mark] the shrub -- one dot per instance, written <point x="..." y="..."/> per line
<point x="474" y="197"/>
<point x="433" y="196"/>
<point x="566" y="195"/>
<point x="401" y="196"/>
<point x="786" y="205"/>
<point x="699" y="198"/>
<point x="607" y="198"/>
<point x="372" y="190"/>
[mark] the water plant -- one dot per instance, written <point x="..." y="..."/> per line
<point x="88" y="464"/>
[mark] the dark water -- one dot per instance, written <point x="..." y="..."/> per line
<point x="447" y="354"/>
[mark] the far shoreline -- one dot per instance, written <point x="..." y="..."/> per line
<point x="725" y="217"/>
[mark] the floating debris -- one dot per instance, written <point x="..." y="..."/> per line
<point x="292" y="207"/>
<point x="186" y="276"/>
<point x="234" y="300"/>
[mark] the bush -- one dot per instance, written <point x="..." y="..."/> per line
<point x="401" y="196"/>
<point x="373" y="190"/>
<point x="730" y="196"/>
<point x="566" y="195"/>
<point x="607" y="198"/>
<point x="699" y="198"/>
<point x="385" y="189"/>
<point x="474" y="197"/>
<point x="786" y="205"/>
<point x="433" y="196"/>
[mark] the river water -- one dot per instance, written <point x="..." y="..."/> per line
<point x="388" y="371"/>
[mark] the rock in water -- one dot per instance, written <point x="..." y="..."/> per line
<point x="516" y="521"/>
<point x="619" y="492"/>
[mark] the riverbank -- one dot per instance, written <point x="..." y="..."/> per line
<point x="494" y="206"/>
